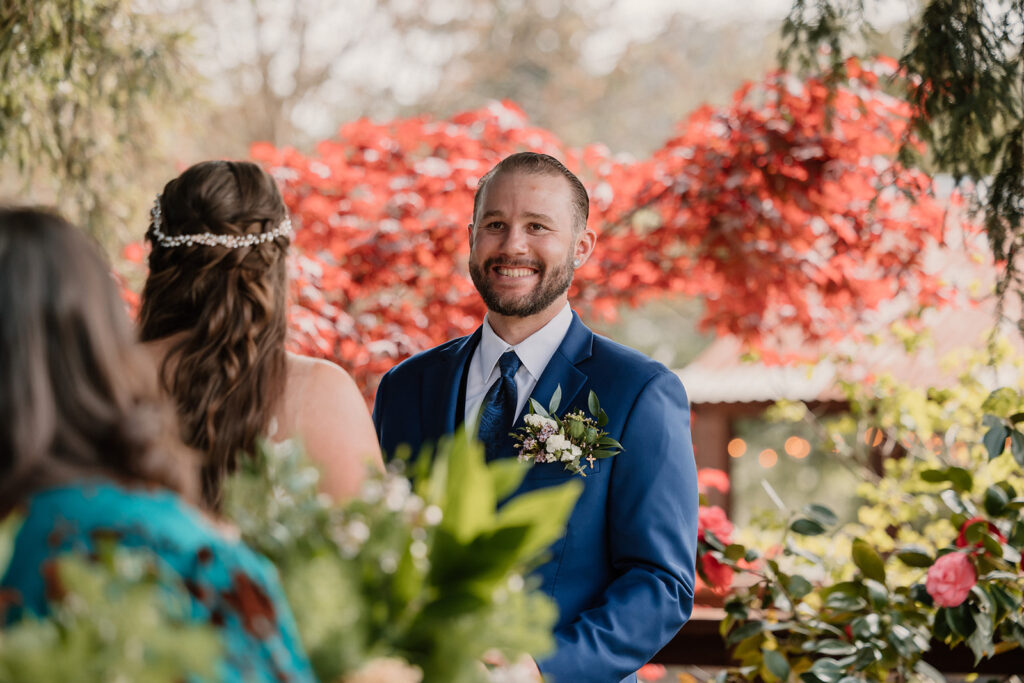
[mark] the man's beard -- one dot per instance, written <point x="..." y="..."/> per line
<point x="550" y="287"/>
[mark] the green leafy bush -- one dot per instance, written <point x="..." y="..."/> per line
<point x="934" y="555"/>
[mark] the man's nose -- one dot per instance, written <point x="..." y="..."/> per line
<point x="515" y="240"/>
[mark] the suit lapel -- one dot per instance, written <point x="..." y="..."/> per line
<point x="561" y="370"/>
<point x="441" y="382"/>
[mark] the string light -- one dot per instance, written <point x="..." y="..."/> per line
<point x="797" y="447"/>
<point x="767" y="458"/>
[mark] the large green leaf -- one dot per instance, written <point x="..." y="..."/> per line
<point x="556" y="400"/>
<point x="745" y="631"/>
<point x="868" y="560"/>
<point x="807" y="527"/>
<point x="980" y="641"/>
<point x="995" y="440"/>
<point x="821" y="514"/>
<point x="469" y="494"/>
<point x="1017" y="446"/>
<point x="506" y="476"/>
<point x="776" y="664"/>
<point x="915" y="556"/>
<point x="489" y="555"/>
<point x="543" y="512"/>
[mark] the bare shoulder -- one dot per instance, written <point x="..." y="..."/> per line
<point x="333" y="422"/>
<point x="314" y="379"/>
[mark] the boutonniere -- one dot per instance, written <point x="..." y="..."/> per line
<point x="575" y="439"/>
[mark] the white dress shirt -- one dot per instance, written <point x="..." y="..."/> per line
<point x="534" y="353"/>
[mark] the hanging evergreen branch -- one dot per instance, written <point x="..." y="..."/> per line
<point x="962" y="72"/>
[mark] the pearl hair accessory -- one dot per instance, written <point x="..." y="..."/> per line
<point x="210" y="239"/>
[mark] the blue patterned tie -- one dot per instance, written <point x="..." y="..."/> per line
<point x="498" y="411"/>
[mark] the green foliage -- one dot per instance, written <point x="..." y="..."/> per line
<point x="116" y="619"/>
<point x="82" y="87"/>
<point x="433" y="572"/>
<point x="858" y="603"/>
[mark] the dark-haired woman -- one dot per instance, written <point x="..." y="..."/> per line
<point x="214" y="317"/>
<point x="89" y="451"/>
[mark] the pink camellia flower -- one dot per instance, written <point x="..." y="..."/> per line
<point x="950" y="579"/>
<point x="709" y="477"/>
<point x="714" y="519"/>
<point x="719" y="575"/>
<point x="651" y="672"/>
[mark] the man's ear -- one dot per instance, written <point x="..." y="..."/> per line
<point x="585" y="245"/>
<point x="469" y="231"/>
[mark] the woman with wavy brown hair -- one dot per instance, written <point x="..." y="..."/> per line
<point x="214" y="316"/>
<point x="89" y="452"/>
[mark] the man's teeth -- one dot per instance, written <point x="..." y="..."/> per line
<point x="515" y="272"/>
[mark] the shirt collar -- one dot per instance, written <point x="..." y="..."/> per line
<point x="534" y="352"/>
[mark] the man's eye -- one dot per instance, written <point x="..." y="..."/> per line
<point x="495" y="225"/>
<point x="537" y="227"/>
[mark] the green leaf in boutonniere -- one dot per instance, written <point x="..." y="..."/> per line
<point x="537" y="408"/>
<point x="556" y="399"/>
<point x="595" y="409"/>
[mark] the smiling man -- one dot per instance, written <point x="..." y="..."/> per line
<point x="622" y="576"/>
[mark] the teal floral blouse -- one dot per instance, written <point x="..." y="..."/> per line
<point x="230" y="587"/>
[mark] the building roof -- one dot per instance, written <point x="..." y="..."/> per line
<point x="721" y="375"/>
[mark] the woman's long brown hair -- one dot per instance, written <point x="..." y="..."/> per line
<point x="226" y="372"/>
<point x="78" y="396"/>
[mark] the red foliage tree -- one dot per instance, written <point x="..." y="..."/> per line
<point x="786" y="208"/>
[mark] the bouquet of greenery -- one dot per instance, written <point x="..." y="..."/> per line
<point x="421" y="575"/>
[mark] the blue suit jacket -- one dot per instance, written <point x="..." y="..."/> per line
<point x="622" y="576"/>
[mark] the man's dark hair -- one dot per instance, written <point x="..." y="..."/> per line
<point x="539" y="164"/>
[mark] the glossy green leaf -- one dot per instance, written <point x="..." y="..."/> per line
<point x="878" y="595"/>
<point x="798" y="586"/>
<point x="807" y="527"/>
<point x="959" y="620"/>
<point x="866" y="627"/>
<point x="845" y="603"/>
<point x="953" y="502"/>
<point x="995" y="440"/>
<point x="915" y="556"/>
<point x="868" y="560"/>
<point x="776" y="664"/>
<point x="1017" y="446"/>
<point x="745" y="631"/>
<point x="734" y="551"/>
<point x="834" y="647"/>
<point x="995" y="500"/>
<point x="821" y="514"/>
<point x="980" y="641"/>
<point x="593" y="404"/>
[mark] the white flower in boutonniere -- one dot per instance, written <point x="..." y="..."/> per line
<point x="575" y="439"/>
